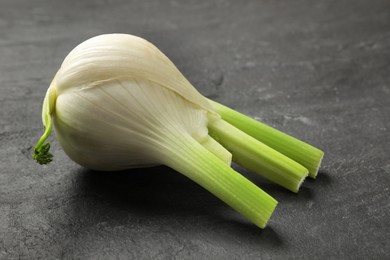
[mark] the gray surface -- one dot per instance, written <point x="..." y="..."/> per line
<point x="318" y="70"/>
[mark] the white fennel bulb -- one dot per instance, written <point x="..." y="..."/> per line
<point x="117" y="102"/>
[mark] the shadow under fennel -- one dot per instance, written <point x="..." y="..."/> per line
<point x="151" y="196"/>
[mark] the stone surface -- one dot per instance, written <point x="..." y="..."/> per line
<point x="319" y="70"/>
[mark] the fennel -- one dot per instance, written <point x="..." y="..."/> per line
<point x="117" y="102"/>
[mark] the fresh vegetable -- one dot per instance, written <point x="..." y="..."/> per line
<point x="117" y="102"/>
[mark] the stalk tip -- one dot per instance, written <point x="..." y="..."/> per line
<point x="314" y="174"/>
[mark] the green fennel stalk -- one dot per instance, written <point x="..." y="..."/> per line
<point x="258" y="157"/>
<point x="206" y="169"/>
<point x="305" y="154"/>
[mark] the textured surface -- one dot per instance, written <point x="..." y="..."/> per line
<point x="319" y="70"/>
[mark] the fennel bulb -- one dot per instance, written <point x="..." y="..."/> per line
<point x="117" y="102"/>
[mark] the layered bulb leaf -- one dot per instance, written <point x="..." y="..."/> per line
<point x="117" y="102"/>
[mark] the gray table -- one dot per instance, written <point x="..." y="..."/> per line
<point x="319" y="70"/>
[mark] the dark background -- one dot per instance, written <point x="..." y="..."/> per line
<point x="319" y="70"/>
